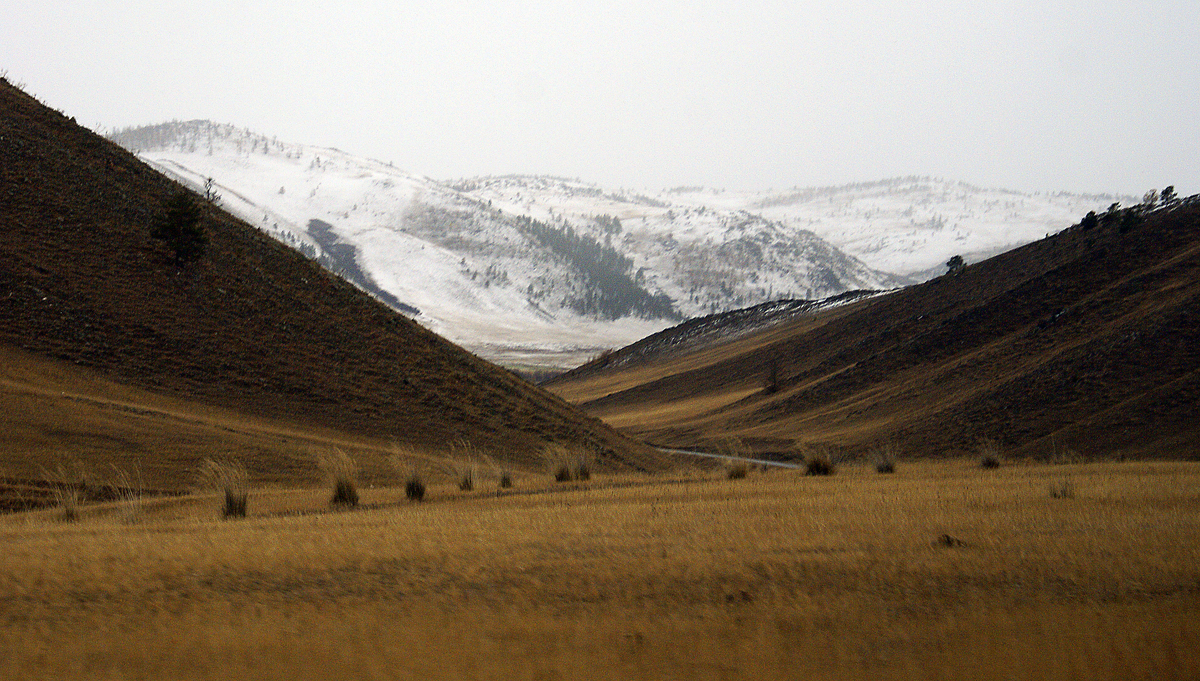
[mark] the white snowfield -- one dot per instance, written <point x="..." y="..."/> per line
<point x="456" y="253"/>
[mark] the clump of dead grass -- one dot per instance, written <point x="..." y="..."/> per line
<point x="562" y="473"/>
<point x="464" y="463"/>
<point x="467" y="473"/>
<point x="884" y="456"/>
<point x="67" y="499"/>
<point x="72" y="484"/>
<point x="736" y="467"/>
<point x="414" y="488"/>
<point x="989" y="454"/>
<point x="232" y="480"/>
<point x="1062" y="489"/>
<point x="342" y="472"/>
<point x="128" y="486"/>
<point x="737" y="470"/>
<point x="819" y="463"/>
<point x="568" y="463"/>
<point x="401" y="460"/>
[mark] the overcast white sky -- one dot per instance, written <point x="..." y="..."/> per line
<point x="1043" y="95"/>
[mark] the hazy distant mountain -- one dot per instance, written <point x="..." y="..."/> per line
<point x="542" y="271"/>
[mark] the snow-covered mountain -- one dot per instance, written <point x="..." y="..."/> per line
<point x="545" y="272"/>
<point x="912" y="225"/>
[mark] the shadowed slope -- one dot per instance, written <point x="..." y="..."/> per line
<point x="1087" y="340"/>
<point x="251" y="327"/>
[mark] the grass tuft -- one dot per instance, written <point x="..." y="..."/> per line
<point x="414" y="488"/>
<point x="466" y="478"/>
<point x="231" y="478"/>
<point x="819" y="464"/>
<point x="1063" y="489"/>
<point x="737" y="470"/>
<point x="568" y="463"/>
<point x="341" y="471"/>
<point x="67" y="498"/>
<point x="345" y="493"/>
<point x="128" y="489"/>
<point x="989" y="454"/>
<point x="73" y="482"/>
<point x="884" y="456"/>
<point x="562" y="473"/>
<point x="464" y="458"/>
<point x="401" y="460"/>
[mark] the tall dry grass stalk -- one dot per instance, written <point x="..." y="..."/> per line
<point x="73" y="483"/>
<point x="503" y="475"/>
<point x="736" y="470"/>
<point x="464" y="463"/>
<point x="819" y="461"/>
<point x="231" y="478"/>
<point x="342" y="472"/>
<point x="67" y="499"/>
<point x="128" y="486"/>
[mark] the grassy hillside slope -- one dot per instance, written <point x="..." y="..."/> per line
<point x="252" y="328"/>
<point x="1087" y="341"/>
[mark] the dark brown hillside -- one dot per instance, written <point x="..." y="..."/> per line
<point x="1088" y="340"/>
<point x="252" y="326"/>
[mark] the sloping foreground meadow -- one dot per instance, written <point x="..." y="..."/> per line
<point x="940" y="570"/>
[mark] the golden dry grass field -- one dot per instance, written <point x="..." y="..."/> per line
<point x="686" y="575"/>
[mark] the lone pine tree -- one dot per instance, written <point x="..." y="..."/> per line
<point x="179" y="227"/>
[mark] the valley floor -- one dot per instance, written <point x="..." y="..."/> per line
<point x="940" y="570"/>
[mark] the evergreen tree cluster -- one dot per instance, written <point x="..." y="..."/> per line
<point x="1126" y="219"/>
<point x="612" y="290"/>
